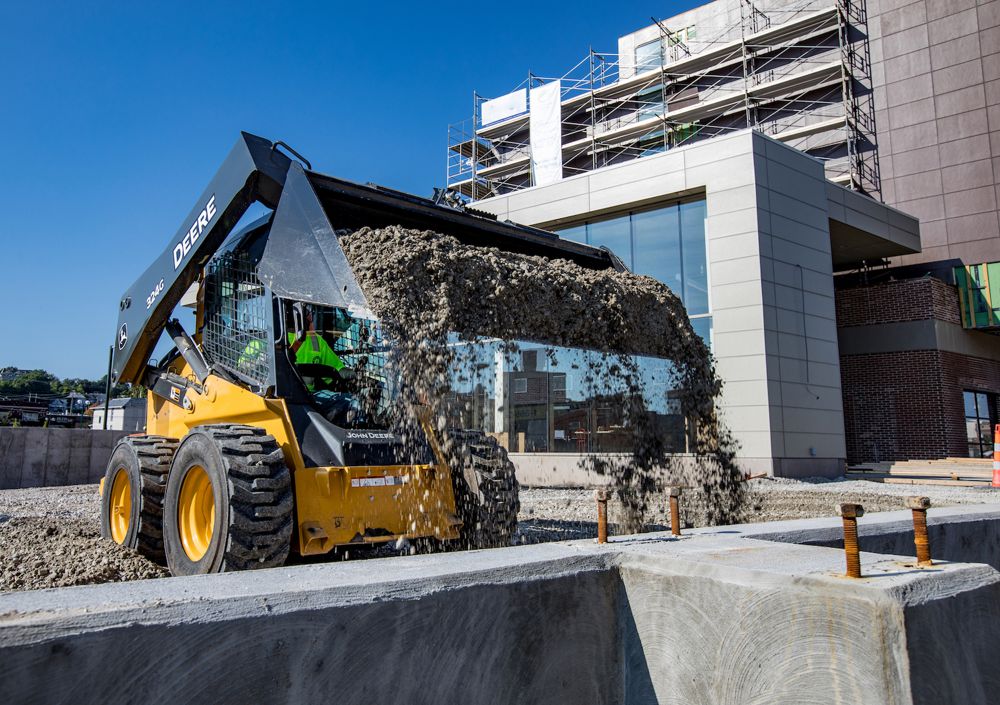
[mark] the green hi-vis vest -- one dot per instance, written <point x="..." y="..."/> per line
<point x="316" y="351"/>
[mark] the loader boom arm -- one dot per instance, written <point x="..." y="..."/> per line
<point x="255" y="171"/>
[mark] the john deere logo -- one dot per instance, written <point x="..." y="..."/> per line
<point x="122" y="336"/>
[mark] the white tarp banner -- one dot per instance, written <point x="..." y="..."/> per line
<point x="545" y="123"/>
<point x="504" y="107"/>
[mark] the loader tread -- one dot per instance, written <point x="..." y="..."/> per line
<point x="261" y="499"/>
<point x="490" y="515"/>
<point x="155" y="454"/>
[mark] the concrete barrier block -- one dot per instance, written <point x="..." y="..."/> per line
<point x="41" y="457"/>
<point x="713" y="616"/>
<point x="57" y="457"/>
<point x="36" y="445"/>
<point x="102" y="444"/>
<point x="80" y="470"/>
<point x="11" y="457"/>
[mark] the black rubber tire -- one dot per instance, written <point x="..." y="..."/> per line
<point x="486" y="490"/>
<point x="146" y="460"/>
<point x="252" y="489"/>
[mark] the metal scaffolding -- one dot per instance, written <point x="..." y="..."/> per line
<point x="797" y="71"/>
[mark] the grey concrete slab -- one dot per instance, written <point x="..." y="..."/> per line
<point x="36" y="444"/>
<point x="80" y="469"/>
<point x="57" y="456"/>
<point x="722" y="615"/>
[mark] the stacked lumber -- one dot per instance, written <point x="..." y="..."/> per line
<point x="961" y="472"/>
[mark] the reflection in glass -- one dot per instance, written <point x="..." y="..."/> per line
<point x="559" y="401"/>
<point x="979" y="420"/>
<point x="695" y="265"/>
<point x="613" y="234"/>
<point x="656" y="238"/>
<point x="666" y="243"/>
<point x="578" y="233"/>
<point x="703" y="327"/>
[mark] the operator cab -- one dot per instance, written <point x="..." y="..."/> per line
<point x="340" y="361"/>
<point x="328" y="366"/>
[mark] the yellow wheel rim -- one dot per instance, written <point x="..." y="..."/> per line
<point x="120" y="505"/>
<point x="196" y="513"/>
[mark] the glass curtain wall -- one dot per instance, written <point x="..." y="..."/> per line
<point x="666" y="243"/>
<point x="557" y="400"/>
<point x="979" y="423"/>
<point x="543" y="400"/>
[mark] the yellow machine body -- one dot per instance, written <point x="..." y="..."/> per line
<point x="334" y="506"/>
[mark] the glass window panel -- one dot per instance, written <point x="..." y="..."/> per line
<point x="703" y="327"/>
<point x="970" y="404"/>
<point x="649" y="110"/>
<point x="985" y="433"/>
<point x="559" y="406"/>
<point x="656" y="241"/>
<point x="982" y="406"/>
<point x="613" y="234"/>
<point x="577" y="233"/>
<point x="971" y="433"/>
<point x="694" y="257"/>
<point x="648" y="56"/>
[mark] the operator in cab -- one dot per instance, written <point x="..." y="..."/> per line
<point x="344" y="398"/>
<point x="314" y="358"/>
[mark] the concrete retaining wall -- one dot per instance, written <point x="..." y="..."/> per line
<point x="564" y="469"/>
<point x="45" y="457"/>
<point x="717" y="616"/>
<point x="970" y="533"/>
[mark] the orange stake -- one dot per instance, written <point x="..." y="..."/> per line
<point x="601" y="496"/>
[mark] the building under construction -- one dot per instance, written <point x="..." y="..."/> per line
<point x="799" y="72"/>
<point x="843" y="331"/>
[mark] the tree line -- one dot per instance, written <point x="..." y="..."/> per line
<point x="19" y="383"/>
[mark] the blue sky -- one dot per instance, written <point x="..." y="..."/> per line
<point x="115" y="117"/>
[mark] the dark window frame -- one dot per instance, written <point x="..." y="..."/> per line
<point x="979" y="447"/>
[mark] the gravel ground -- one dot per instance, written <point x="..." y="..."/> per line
<point x="557" y="515"/>
<point x="49" y="537"/>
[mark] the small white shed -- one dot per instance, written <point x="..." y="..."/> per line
<point x="124" y="414"/>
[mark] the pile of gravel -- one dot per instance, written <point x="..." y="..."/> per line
<point x="37" y="552"/>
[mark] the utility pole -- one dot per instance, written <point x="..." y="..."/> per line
<point x="107" y="385"/>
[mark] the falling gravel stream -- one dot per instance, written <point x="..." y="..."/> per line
<point x="429" y="288"/>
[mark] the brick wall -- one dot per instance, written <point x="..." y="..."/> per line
<point x="907" y="405"/>
<point x="898" y="301"/>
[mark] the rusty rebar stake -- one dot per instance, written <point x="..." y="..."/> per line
<point x="921" y="542"/>
<point x="850" y="513"/>
<point x="601" y="496"/>
<point x="675" y="511"/>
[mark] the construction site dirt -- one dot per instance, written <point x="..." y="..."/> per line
<point x="49" y="536"/>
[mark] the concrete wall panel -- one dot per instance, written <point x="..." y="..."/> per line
<point x="36" y="445"/>
<point x="81" y="471"/>
<point x="11" y="459"/>
<point x="46" y="457"/>
<point x="755" y="614"/>
<point x="57" y="457"/>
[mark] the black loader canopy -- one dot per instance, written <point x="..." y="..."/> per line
<point x="302" y="259"/>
